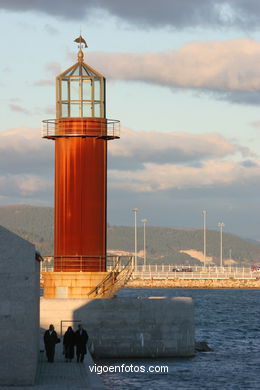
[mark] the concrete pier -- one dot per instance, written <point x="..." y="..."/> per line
<point x="127" y="327"/>
<point x="63" y="376"/>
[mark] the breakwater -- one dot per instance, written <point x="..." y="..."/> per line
<point x="194" y="283"/>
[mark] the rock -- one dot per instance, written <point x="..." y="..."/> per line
<point x="202" y="346"/>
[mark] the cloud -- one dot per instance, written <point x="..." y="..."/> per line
<point x="43" y="83"/>
<point x="23" y="151"/>
<point x="24" y="185"/>
<point x="140" y="162"/>
<point x="238" y="97"/>
<point x="149" y="13"/>
<point x="221" y="67"/>
<point x="138" y="147"/>
<point x="50" y="29"/>
<point x="210" y="174"/>
<point x="255" y="124"/>
<point x="150" y="161"/>
<point x="17" y="108"/>
<point x="26" y="166"/>
<point x="53" y="67"/>
<point x="187" y="176"/>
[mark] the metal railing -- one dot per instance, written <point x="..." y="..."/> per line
<point x="52" y="128"/>
<point x="193" y="272"/>
<point x="79" y="263"/>
<point x="67" y="261"/>
<point x="115" y="280"/>
<point x="170" y="271"/>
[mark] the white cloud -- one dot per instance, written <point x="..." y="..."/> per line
<point x="211" y="173"/>
<point x="213" y="65"/>
<point x="171" y="146"/>
<point x="141" y="161"/>
<point x="22" y="150"/>
<point x="24" y="185"/>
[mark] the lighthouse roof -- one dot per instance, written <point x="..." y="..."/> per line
<point x="81" y="69"/>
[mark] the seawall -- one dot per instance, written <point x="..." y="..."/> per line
<point x="194" y="283"/>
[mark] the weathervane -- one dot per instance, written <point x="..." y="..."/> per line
<point x="82" y="44"/>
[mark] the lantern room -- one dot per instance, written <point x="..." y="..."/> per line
<point x="80" y="92"/>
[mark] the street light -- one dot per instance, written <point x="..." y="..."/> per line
<point x="204" y="212"/>
<point x="221" y="225"/>
<point x="144" y="222"/>
<point x="135" y="213"/>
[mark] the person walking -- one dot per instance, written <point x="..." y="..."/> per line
<point x="81" y="338"/>
<point x="68" y="344"/>
<point x="50" y="341"/>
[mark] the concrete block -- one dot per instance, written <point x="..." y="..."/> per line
<point x="129" y="327"/>
<point x="19" y="310"/>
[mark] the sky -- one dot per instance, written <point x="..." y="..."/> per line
<point x="183" y="77"/>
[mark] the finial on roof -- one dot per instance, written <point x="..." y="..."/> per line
<point x="82" y="44"/>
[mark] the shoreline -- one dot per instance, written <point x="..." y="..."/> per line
<point x="194" y="284"/>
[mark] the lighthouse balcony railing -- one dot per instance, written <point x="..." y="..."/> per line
<point x="85" y="263"/>
<point x="81" y="127"/>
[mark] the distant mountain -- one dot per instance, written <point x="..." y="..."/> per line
<point x="35" y="224"/>
<point x="163" y="243"/>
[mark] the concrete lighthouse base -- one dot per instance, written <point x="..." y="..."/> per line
<point x="127" y="327"/>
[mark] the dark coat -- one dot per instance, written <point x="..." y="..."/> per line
<point x="50" y="340"/>
<point x="81" y="341"/>
<point x="69" y="343"/>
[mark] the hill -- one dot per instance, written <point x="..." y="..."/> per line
<point x="35" y="224"/>
<point x="163" y="243"/>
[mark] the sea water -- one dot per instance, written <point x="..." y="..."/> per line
<point x="229" y="321"/>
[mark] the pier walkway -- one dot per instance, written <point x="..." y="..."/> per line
<point x="63" y="376"/>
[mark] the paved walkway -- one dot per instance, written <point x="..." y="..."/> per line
<point x="63" y="376"/>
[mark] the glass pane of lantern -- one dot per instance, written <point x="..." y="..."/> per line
<point x="87" y="112"/>
<point x="97" y="90"/>
<point x="97" y="110"/>
<point x="74" y="89"/>
<point x="76" y="72"/>
<point x="70" y="71"/>
<point x="64" y="110"/>
<point x="86" y="90"/>
<point x="84" y="71"/>
<point x="64" y="90"/>
<point x="74" y="110"/>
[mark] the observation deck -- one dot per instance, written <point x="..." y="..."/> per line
<point x="81" y="127"/>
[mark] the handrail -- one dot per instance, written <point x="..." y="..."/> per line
<point x="105" y="128"/>
<point x="115" y="280"/>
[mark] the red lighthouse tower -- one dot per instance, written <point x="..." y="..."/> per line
<point x="80" y="131"/>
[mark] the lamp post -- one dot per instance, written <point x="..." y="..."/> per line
<point x="230" y="258"/>
<point x="144" y="222"/>
<point x="221" y="225"/>
<point x="204" y="212"/>
<point x="135" y="214"/>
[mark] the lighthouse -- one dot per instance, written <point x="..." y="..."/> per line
<point x="80" y="132"/>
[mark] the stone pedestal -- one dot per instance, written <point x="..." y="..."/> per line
<point x="70" y="284"/>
